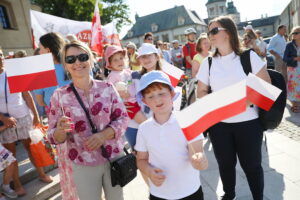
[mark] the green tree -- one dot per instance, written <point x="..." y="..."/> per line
<point x="83" y="10"/>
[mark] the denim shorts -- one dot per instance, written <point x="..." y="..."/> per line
<point x="130" y="135"/>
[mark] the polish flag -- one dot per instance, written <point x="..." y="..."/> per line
<point x="96" y="41"/>
<point x="260" y="92"/>
<point x="30" y="73"/>
<point x="212" y="109"/>
<point x="173" y="72"/>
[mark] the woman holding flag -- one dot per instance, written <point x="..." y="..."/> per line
<point x="242" y="134"/>
<point x="84" y="133"/>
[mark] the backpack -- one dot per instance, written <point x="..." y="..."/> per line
<point x="189" y="52"/>
<point x="272" y="118"/>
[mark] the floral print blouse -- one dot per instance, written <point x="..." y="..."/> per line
<point x="106" y="110"/>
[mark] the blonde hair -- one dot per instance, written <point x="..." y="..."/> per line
<point x="295" y="28"/>
<point x="79" y="45"/>
<point x="20" y="54"/>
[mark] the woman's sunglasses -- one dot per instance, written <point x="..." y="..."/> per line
<point x="295" y="33"/>
<point x="81" y="57"/>
<point x="215" y="31"/>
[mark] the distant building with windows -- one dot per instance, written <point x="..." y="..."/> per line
<point x="15" y="28"/>
<point x="166" y="25"/>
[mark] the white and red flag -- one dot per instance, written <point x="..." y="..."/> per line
<point x="30" y="73"/>
<point x="212" y="109"/>
<point x="173" y="72"/>
<point x="260" y="92"/>
<point x="96" y="41"/>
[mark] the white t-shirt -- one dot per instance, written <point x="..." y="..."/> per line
<point x="228" y="70"/>
<point x="168" y="150"/>
<point x="16" y="106"/>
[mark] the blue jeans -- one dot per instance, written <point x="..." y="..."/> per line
<point x="130" y="135"/>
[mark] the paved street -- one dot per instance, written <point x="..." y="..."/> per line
<point x="281" y="166"/>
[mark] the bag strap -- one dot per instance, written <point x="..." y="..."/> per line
<point x="246" y="62"/>
<point x="5" y="89"/>
<point x="94" y="128"/>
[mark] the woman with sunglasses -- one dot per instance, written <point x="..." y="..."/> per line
<point x="242" y="134"/>
<point x="69" y="124"/>
<point x="292" y="59"/>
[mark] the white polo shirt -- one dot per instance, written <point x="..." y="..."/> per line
<point x="228" y="70"/>
<point x="168" y="150"/>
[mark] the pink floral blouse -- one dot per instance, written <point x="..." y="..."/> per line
<point x="106" y="109"/>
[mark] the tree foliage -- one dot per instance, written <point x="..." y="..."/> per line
<point x="83" y="10"/>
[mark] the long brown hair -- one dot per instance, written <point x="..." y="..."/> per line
<point x="229" y="25"/>
<point x="55" y="42"/>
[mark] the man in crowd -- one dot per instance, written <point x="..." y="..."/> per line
<point x="276" y="48"/>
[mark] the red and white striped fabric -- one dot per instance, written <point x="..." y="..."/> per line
<point x="212" y="109"/>
<point x="96" y="41"/>
<point x="260" y="92"/>
<point x="30" y="73"/>
<point x="173" y="72"/>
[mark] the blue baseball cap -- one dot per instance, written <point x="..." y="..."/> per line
<point x="154" y="77"/>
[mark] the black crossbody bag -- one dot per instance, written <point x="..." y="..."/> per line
<point x="124" y="169"/>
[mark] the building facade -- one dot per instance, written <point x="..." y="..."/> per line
<point x="15" y="30"/>
<point x="166" y="25"/>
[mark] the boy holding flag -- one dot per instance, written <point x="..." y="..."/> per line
<point x="163" y="154"/>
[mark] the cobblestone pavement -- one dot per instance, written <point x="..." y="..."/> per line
<point x="289" y="129"/>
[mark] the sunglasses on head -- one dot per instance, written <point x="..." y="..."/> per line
<point x="215" y="31"/>
<point x="81" y="57"/>
<point x="295" y="33"/>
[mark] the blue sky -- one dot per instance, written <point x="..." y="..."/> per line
<point x="252" y="9"/>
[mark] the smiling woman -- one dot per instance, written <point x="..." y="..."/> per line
<point x="69" y="125"/>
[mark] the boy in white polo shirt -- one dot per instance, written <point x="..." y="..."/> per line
<point x="163" y="154"/>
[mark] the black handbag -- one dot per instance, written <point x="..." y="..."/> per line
<point x="124" y="169"/>
<point x="5" y="89"/>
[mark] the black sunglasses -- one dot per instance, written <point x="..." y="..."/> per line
<point x="81" y="57"/>
<point x="215" y="31"/>
<point x="295" y="33"/>
<point x="149" y="38"/>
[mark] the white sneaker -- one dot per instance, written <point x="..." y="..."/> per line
<point x="10" y="193"/>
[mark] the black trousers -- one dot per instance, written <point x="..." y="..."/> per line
<point x="198" y="195"/>
<point x="243" y="139"/>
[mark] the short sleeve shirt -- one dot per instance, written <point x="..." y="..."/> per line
<point x="228" y="70"/>
<point x="168" y="150"/>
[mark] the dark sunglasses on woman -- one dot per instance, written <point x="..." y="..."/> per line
<point x="81" y="57"/>
<point x="215" y="31"/>
<point x="295" y="33"/>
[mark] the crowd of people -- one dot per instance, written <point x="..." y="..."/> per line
<point x="98" y="104"/>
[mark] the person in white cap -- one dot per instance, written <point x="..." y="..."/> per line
<point x="248" y="28"/>
<point x="176" y="54"/>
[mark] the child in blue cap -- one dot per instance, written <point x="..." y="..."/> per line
<point x="163" y="154"/>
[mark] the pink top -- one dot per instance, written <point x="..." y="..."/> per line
<point x="124" y="76"/>
<point x="106" y="109"/>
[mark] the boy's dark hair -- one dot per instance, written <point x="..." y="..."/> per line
<point x="280" y="27"/>
<point x="55" y="42"/>
<point x="148" y="34"/>
<point x="229" y="25"/>
<point x="153" y="86"/>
